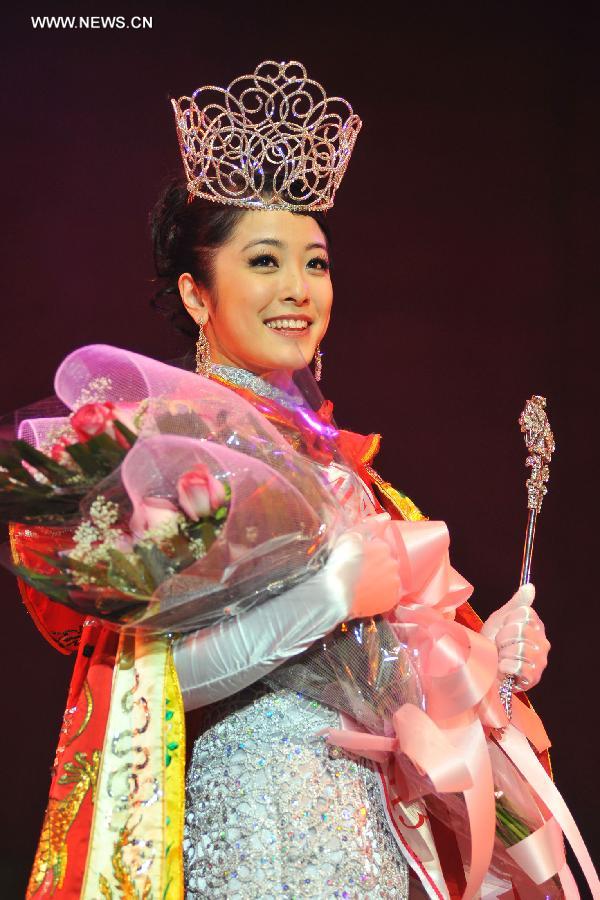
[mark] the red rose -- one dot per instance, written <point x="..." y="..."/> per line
<point x="199" y="493"/>
<point x="93" y="419"/>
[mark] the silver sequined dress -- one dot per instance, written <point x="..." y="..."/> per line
<point x="273" y="811"/>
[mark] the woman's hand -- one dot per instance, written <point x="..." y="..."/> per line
<point x="520" y="637"/>
<point x="378" y="583"/>
<point x="359" y="579"/>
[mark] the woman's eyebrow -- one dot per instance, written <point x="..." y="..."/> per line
<point x="273" y="242"/>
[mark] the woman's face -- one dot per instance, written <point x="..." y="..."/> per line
<point x="274" y="268"/>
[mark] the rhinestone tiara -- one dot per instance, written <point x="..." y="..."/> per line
<point x="274" y="131"/>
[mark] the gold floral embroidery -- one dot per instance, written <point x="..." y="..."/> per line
<point x="51" y="857"/>
<point x="122" y="874"/>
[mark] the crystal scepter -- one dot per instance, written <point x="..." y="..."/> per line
<point x="539" y="441"/>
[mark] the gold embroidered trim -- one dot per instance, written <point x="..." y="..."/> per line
<point x="174" y="735"/>
<point x="372" y="450"/>
<point x="51" y="856"/>
<point x="398" y="499"/>
<point x="88" y="713"/>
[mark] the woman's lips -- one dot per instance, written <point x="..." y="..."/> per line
<point x="289" y="332"/>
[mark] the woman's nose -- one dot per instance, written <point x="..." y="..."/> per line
<point x="297" y="288"/>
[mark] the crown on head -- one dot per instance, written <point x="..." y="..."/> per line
<point x="272" y="131"/>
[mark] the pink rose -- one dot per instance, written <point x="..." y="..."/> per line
<point x="93" y="419"/>
<point x="152" y="512"/>
<point x="199" y="493"/>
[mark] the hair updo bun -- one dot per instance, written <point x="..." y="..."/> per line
<point x="185" y="238"/>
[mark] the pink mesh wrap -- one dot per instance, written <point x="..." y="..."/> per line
<point x="282" y="518"/>
<point x="103" y="373"/>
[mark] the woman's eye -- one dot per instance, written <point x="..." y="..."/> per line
<point x="268" y="261"/>
<point x="263" y="260"/>
<point x="319" y="262"/>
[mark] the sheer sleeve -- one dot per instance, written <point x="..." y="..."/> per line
<point x="217" y="662"/>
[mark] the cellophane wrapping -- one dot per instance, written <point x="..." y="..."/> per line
<point x="281" y="518"/>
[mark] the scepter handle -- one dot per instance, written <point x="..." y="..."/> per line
<point x="508" y="684"/>
<point x="528" y="548"/>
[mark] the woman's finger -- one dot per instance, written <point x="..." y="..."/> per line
<point x="516" y="632"/>
<point x="522" y="614"/>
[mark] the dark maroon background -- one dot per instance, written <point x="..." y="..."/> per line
<point x="466" y="277"/>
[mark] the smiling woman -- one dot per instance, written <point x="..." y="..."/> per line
<point x="422" y="796"/>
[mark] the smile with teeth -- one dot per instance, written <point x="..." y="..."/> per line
<point x="288" y="324"/>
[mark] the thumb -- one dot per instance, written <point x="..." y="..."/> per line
<point x="523" y="596"/>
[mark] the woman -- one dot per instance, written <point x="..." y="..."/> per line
<point x="271" y="809"/>
<point x="257" y="284"/>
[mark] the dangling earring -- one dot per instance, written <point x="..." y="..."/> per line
<point x="203" y="361"/>
<point x="318" y="364"/>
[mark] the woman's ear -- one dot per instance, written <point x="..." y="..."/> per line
<point x="193" y="299"/>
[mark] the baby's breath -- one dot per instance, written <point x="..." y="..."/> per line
<point x="198" y="547"/>
<point x="163" y="532"/>
<point x="57" y="434"/>
<point x="140" y="413"/>
<point x="103" y="512"/>
<point x="95" y="392"/>
<point x="95" y="536"/>
<point x="84" y="538"/>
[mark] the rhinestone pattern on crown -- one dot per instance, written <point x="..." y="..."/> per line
<point x="273" y="124"/>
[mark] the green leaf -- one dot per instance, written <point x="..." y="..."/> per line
<point x="26" y="485"/>
<point x="98" y="456"/>
<point x="129" y="435"/>
<point x="53" y="471"/>
<point x="156" y="562"/>
<point x="107" y="449"/>
<point x="16" y="470"/>
<point x="50" y="585"/>
<point x="43" y="510"/>
<point x="204" y="529"/>
<point x="84" y="459"/>
<point x="57" y="562"/>
<point x="131" y="574"/>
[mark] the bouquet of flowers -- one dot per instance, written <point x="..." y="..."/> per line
<point x="181" y="503"/>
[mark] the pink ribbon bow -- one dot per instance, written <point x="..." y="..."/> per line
<point x="448" y="743"/>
